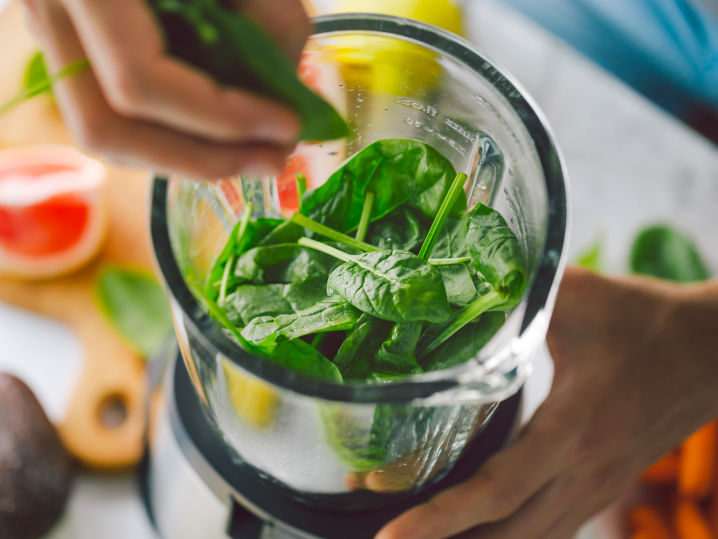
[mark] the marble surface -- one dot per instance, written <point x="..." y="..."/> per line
<point x="630" y="165"/>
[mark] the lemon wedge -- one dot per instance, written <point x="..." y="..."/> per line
<point x="254" y="400"/>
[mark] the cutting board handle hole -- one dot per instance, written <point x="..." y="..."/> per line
<point x="112" y="410"/>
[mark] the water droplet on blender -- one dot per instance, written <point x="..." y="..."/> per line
<point x="370" y="125"/>
<point x="360" y="98"/>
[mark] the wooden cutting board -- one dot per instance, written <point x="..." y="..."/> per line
<point x="112" y="372"/>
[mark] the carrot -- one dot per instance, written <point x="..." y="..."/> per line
<point x="647" y="518"/>
<point x="663" y="471"/>
<point x="713" y="512"/>
<point x="696" y="467"/>
<point x="691" y="523"/>
<point x="643" y="534"/>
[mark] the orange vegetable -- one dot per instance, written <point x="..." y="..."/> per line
<point x="647" y="518"/>
<point x="696" y="468"/>
<point x="713" y="512"/>
<point x="691" y="523"/>
<point x="663" y="471"/>
<point x="643" y="534"/>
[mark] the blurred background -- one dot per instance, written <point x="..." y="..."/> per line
<point x="629" y="86"/>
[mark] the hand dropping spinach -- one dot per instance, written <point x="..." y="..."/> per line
<point x="236" y="51"/>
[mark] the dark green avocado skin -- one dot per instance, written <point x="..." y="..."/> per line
<point x="36" y="472"/>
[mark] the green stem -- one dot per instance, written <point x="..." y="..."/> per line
<point x="40" y="87"/>
<point x="458" y="320"/>
<point x="332" y="234"/>
<point x="365" y="214"/>
<point x="248" y="209"/>
<point x="301" y="180"/>
<point x="440" y="218"/>
<point x="217" y="313"/>
<point x="225" y="279"/>
<point x="324" y="248"/>
<point x="448" y="261"/>
<point x="317" y="340"/>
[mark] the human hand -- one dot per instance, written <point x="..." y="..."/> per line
<point x="140" y="107"/>
<point x="636" y="371"/>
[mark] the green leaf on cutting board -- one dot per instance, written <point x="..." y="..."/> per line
<point x="664" y="252"/>
<point x="135" y="304"/>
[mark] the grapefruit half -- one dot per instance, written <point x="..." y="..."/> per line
<point x="53" y="211"/>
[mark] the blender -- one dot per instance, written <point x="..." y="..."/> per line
<point x="242" y="447"/>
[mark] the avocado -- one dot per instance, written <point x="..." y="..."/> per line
<point x="36" y="471"/>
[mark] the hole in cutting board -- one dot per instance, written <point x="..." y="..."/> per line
<point x="112" y="410"/>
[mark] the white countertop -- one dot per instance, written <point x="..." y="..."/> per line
<point x="630" y="165"/>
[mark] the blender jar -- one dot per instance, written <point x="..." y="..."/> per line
<point x="339" y="445"/>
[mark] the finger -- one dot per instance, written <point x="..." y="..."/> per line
<point x="139" y="80"/>
<point x="500" y="487"/>
<point x="285" y="20"/>
<point x="100" y="130"/>
<point x="537" y="515"/>
<point x="568" y="526"/>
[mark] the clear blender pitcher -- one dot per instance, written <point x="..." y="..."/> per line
<point x="361" y="446"/>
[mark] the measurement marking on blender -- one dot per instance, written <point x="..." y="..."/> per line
<point x="416" y="105"/>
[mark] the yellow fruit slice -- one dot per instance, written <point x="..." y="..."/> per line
<point x="442" y="13"/>
<point x="253" y="400"/>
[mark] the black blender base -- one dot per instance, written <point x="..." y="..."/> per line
<point x="314" y="520"/>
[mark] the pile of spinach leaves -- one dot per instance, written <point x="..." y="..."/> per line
<point x="382" y="274"/>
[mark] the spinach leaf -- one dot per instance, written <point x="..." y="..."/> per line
<point x="248" y="302"/>
<point x="465" y="343"/>
<point x="460" y="289"/>
<point x="397" y="171"/>
<point x="496" y="254"/>
<point x="396" y="355"/>
<point x="360" y="447"/>
<point x="363" y="341"/>
<point x="36" y="80"/>
<point x="663" y="252"/>
<point x="451" y="242"/>
<point x="283" y="263"/>
<point x="392" y="285"/>
<point x="43" y="85"/>
<point x="296" y="355"/>
<point x="437" y="334"/>
<point x="136" y="306"/>
<point x="304" y="294"/>
<point x="334" y="314"/>
<point x="236" y="51"/>
<point x="245" y="235"/>
<point x="286" y="232"/>
<point x="401" y="229"/>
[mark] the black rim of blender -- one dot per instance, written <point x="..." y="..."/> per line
<point x="420" y="386"/>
